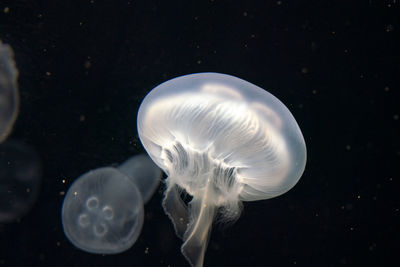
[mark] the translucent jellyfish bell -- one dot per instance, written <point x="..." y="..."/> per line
<point x="8" y="91"/>
<point x="223" y="140"/>
<point x="103" y="212"/>
<point x="20" y="175"/>
<point x="142" y="171"/>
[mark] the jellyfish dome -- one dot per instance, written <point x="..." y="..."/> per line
<point x="9" y="98"/>
<point x="103" y="212"/>
<point x="221" y="140"/>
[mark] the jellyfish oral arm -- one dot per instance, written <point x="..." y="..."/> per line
<point x="176" y="209"/>
<point x="212" y="185"/>
<point x="197" y="234"/>
<point x="192" y="223"/>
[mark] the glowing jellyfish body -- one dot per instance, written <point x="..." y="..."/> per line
<point x="8" y="91"/>
<point x="103" y="209"/>
<point x="103" y="212"/>
<point x="223" y="140"/>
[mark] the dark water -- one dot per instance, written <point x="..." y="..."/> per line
<point x="85" y="66"/>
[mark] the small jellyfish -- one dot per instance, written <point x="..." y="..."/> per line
<point x="20" y="175"/>
<point x="221" y="140"/>
<point x="9" y="97"/>
<point x="103" y="212"/>
<point x="142" y="171"/>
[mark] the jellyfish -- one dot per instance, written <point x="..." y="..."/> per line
<point x="142" y="171"/>
<point x="221" y="140"/>
<point x="9" y="98"/>
<point x="20" y="176"/>
<point x="103" y="209"/>
<point x="103" y="212"/>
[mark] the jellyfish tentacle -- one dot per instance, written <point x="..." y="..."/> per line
<point x="176" y="209"/>
<point x="198" y="231"/>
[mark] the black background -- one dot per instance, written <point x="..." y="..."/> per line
<point x="86" y="65"/>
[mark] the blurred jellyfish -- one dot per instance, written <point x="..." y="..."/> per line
<point x="222" y="140"/>
<point x="103" y="209"/>
<point x="9" y="98"/>
<point x="143" y="173"/>
<point x="20" y="175"/>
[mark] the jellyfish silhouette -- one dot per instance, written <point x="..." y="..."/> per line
<point x="103" y="209"/>
<point x="20" y="166"/>
<point x="221" y="140"/>
<point x="9" y="97"/>
<point x="20" y="176"/>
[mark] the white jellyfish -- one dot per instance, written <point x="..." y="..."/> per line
<point x="221" y="140"/>
<point x="20" y="167"/>
<point x="103" y="209"/>
<point x="103" y="212"/>
<point x="9" y="97"/>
